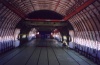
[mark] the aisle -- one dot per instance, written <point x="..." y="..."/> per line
<point x="43" y="52"/>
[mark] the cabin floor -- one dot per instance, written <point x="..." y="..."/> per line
<point x="43" y="52"/>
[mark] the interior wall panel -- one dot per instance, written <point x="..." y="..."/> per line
<point x="7" y="19"/>
<point x="90" y="21"/>
<point x="81" y="37"/>
<point x="85" y="31"/>
<point x="9" y="30"/>
<point x="92" y="32"/>
<point x="89" y="33"/>
<point x="93" y="41"/>
<point x="72" y="23"/>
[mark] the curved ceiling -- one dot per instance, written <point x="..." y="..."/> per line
<point x="63" y="7"/>
<point x="59" y="6"/>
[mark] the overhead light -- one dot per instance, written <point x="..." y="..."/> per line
<point x="24" y="36"/>
<point x="48" y="20"/>
<point x="37" y="32"/>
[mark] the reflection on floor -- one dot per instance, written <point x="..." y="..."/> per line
<point x="43" y="52"/>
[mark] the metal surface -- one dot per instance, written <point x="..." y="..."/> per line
<point x="14" y="9"/>
<point x="80" y="8"/>
<point x="44" y="52"/>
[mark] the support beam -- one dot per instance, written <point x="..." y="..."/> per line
<point x="57" y="5"/>
<point x="45" y="20"/>
<point x="12" y="8"/>
<point x="80" y="8"/>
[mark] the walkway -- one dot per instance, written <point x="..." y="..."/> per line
<point x="43" y="52"/>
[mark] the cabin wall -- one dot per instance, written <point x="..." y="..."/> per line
<point x="86" y="26"/>
<point x="8" y="21"/>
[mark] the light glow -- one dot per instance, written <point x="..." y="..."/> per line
<point x="24" y="36"/>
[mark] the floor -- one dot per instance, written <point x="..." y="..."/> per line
<point x="43" y="52"/>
